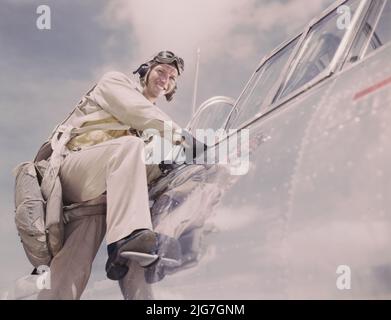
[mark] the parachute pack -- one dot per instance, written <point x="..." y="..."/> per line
<point x="40" y="215"/>
<point x="41" y="234"/>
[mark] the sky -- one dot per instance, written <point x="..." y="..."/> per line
<point x="44" y="73"/>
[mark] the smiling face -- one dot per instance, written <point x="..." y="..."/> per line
<point x="161" y="80"/>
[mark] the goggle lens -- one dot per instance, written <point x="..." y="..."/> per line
<point x="170" y="57"/>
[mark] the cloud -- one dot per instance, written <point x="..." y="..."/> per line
<point x="175" y="24"/>
<point x="221" y="28"/>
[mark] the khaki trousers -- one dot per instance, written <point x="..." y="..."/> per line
<point x="70" y="269"/>
<point x="117" y="167"/>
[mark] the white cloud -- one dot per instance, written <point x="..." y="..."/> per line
<point x="175" y="24"/>
<point x="221" y="28"/>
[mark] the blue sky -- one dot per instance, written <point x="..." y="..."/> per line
<point x="45" y="72"/>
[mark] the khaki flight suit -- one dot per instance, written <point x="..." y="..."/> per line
<point x="105" y="161"/>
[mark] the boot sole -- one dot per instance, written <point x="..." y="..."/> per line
<point x="144" y="242"/>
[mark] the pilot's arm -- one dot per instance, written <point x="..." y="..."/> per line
<point x="117" y="94"/>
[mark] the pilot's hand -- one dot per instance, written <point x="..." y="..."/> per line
<point x="166" y="167"/>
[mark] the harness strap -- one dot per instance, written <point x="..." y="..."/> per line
<point x="82" y="212"/>
<point x="92" y="207"/>
<point x="59" y="141"/>
<point x="58" y="146"/>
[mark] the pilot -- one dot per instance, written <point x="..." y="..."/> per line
<point x="111" y="161"/>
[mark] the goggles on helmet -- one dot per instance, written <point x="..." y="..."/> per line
<point x="168" y="57"/>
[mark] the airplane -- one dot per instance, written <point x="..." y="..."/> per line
<point x="309" y="220"/>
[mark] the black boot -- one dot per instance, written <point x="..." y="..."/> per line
<point x="142" y="240"/>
